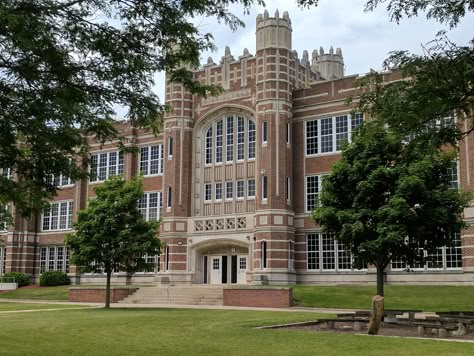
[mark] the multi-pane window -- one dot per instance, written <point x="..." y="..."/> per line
<point x="3" y="260"/>
<point x="218" y="191"/>
<point x="153" y="260"/>
<point x="208" y="192"/>
<point x="151" y="160"/>
<point x="242" y="263"/>
<point x="209" y="145"/>
<point x="325" y="253"/>
<point x="229" y="190"/>
<point x="4" y="214"/>
<point x="219" y="140"/>
<point x="54" y="258"/>
<point x="150" y="205"/>
<point x="6" y="172"/>
<point x="251" y="141"/>
<point x="313" y="187"/>
<point x="230" y="139"/>
<point x="453" y="175"/>
<point x="327" y="135"/>
<point x="59" y="180"/>
<point x="251" y="188"/>
<point x="106" y="165"/>
<point x="240" y="138"/>
<point x="446" y="257"/>
<point x="58" y="216"/>
<point x="240" y="189"/>
<point x="264" y="187"/>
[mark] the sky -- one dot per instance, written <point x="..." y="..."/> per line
<point x="366" y="38"/>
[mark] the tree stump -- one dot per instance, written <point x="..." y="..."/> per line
<point x="376" y="315"/>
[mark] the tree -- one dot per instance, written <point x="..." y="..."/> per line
<point x="385" y="199"/>
<point x="112" y="234"/>
<point x="64" y="64"/>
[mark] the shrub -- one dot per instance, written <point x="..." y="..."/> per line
<point x="58" y="278"/>
<point x="20" y="278"/>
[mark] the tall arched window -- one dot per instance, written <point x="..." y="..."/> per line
<point x="209" y="146"/>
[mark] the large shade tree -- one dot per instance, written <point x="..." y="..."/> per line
<point x="65" y="65"/>
<point x="387" y="200"/>
<point x="111" y="233"/>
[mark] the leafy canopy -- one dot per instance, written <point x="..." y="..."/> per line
<point x="385" y="199"/>
<point x="111" y="233"/>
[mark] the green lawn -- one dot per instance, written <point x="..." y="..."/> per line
<point x="191" y="332"/>
<point x="46" y="293"/>
<point x="427" y="298"/>
<point x="7" y="306"/>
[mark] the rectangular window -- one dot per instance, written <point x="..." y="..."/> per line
<point x="264" y="254"/>
<point x="229" y="190"/>
<point x="288" y="133"/>
<point x="218" y="191"/>
<point x="58" y="216"/>
<point x="209" y="146"/>
<point x="168" y="198"/>
<point x="264" y="187"/>
<point x="54" y="258"/>
<point x="312" y="247"/>
<point x="150" y="206"/>
<point x="453" y="175"/>
<point x="344" y="257"/>
<point x="312" y="192"/>
<point x="219" y="140"/>
<point x="240" y="138"/>
<point x="251" y="144"/>
<point x="170" y="147"/>
<point x="59" y="180"/>
<point x="327" y="135"/>
<point x="230" y="139"/>
<point x="288" y="188"/>
<point x="324" y="253"/>
<point x="208" y="192"/>
<point x="6" y="172"/>
<point x="240" y="189"/>
<point x="151" y="160"/>
<point x="251" y="188"/>
<point x="4" y="213"/>
<point x="105" y="165"/>
<point x="3" y="260"/>
<point x="264" y="132"/>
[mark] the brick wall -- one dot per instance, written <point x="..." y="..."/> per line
<point x="97" y="295"/>
<point x="261" y="297"/>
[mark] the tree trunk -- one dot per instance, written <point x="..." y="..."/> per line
<point x="380" y="281"/>
<point x="376" y="315"/>
<point x="107" y="290"/>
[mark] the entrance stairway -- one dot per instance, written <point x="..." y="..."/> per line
<point x="186" y="295"/>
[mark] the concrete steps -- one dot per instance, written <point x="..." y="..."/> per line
<point x="185" y="295"/>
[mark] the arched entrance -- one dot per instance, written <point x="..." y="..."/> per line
<point x="222" y="261"/>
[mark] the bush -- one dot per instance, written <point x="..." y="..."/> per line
<point x="48" y="279"/>
<point x="20" y="278"/>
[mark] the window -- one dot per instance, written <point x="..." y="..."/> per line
<point x="324" y="253"/>
<point x="240" y="189"/>
<point x="313" y="187"/>
<point x="168" y="198"/>
<point x="264" y="132"/>
<point x="209" y="146"/>
<point x="243" y="263"/>
<point x="208" y="192"/>
<point x="251" y="188"/>
<point x="216" y="263"/>
<point x="229" y="190"/>
<point x="150" y="205"/>
<point x="54" y="258"/>
<point x="3" y="260"/>
<point x="105" y="165"/>
<point x="59" y="180"/>
<point x="288" y="187"/>
<point x="453" y="175"/>
<point x="58" y="216"/>
<point x="240" y="138"/>
<point x="251" y="144"/>
<point x="288" y="133"/>
<point x="154" y="260"/>
<point x="6" y="172"/>
<point x="443" y="258"/>
<point x="218" y="191"/>
<point x="170" y="147"/>
<point x="4" y="215"/>
<point x="327" y="135"/>
<point x="230" y="139"/>
<point x="219" y="140"/>
<point x="151" y="160"/>
<point x="167" y="258"/>
<point x="264" y="188"/>
<point x="264" y="254"/>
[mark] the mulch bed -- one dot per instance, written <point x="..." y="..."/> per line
<point x="387" y="329"/>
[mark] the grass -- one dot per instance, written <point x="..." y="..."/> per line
<point x="426" y="298"/>
<point x="191" y="332"/>
<point x="7" y="306"/>
<point x="44" y="293"/>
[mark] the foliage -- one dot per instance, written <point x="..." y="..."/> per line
<point x="111" y="233"/>
<point x="444" y="11"/>
<point x="54" y="278"/>
<point x="20" y="278"/>
<point x="65" y="65"/>
<point x="385" y="199"/>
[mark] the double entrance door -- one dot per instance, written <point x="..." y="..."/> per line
<point x="225" y="269"/>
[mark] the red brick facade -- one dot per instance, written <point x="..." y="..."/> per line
<point x="264" y="298"/>
<point x="97" y="295"/>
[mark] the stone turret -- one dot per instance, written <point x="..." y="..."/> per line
<point x="330" y="65"/>
<point x="273" y="31"/>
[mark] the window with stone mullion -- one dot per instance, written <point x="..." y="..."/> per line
<point x="230" y="139"/>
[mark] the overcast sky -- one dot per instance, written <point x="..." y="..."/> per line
<point x="365" y="38"/>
